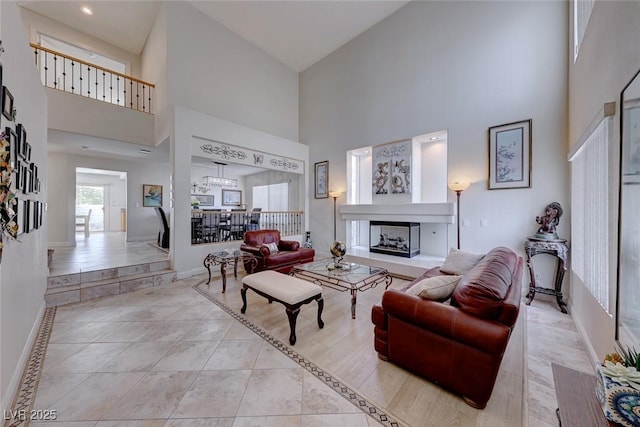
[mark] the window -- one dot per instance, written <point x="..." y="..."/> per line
<point x="581" y="13"/>
<point x="274" y="197"/>
<point x="590" y="213"/>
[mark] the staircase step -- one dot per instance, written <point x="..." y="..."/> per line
<point x="72" y="288"/>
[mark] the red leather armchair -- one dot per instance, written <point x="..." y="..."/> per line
<point x="458" y="345"/>
<point x="289" y="251"/>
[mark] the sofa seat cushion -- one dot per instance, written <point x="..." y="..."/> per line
<point x="437" y="288"/>
<point x="482" y="290"/>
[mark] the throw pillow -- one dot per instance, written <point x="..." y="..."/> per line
<point x="437" y="288"/>
<point x="273" y="248"/>
<point x="459" y="262"/>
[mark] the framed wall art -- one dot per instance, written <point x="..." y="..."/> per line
<point x="7" y="103"/>
<point x="392" y="168"/>
<point x="231" y="197"/>
<point x="321" y="181"/>
<point x="510" y="155"/>
<point x="151" y="195"/>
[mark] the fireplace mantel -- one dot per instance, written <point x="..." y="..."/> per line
<point x="408" y="212"/>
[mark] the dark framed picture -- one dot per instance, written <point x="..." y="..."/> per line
<point x="12" y="137"/>
<point x="510" y="155"/>
<point x="151" y="195"/>
<point x="321" y="180"/>
<point x="22" y="138"/>
<point x="231" y="197"/>
<point x="7" y="103"/>
<point x="1" y="95"/>
<point x="27" y="151"/>
<point x="36" y="212"/>
<point x="26" y="215"/>
<point x="24" y="180"/>
<point x="19" y="177"/>
<point x="40" y="213"/>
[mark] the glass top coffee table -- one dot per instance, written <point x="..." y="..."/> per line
<point x="351" y="277"/>
<point x="225" y="257"/>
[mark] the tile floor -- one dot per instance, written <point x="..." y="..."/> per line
<point x="154" y="357"/>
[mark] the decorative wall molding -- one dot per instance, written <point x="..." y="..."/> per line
<point x="220" y="151"/>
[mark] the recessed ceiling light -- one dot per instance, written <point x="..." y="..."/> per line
<point x="85" y="147"/>
<point x="144" y="151"/>
<point x="434" y="138"/>
<point x="86" y="10"/>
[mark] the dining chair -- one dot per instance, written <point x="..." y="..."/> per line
<point x="163" y="233"/>
<point x="83" y="221"/>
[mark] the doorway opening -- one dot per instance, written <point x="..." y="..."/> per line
<point x="101" y="200"/>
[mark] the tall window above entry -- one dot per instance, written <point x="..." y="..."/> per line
<point x="581" y="13"/>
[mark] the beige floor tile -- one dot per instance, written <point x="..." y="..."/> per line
<point x="140" y="356"/>
<point x="319" y="398"/>
<point x="56" y="353"/>
<point x="238" y="331"/>
<point x="234" y="354"/>
<point x="200" y="422"/>
<point x="84" y="332"/>
<point x="208" y="330"/>
<point x="91" y="358"/>
<point x="273" y="421"/>
<point x="187" y="356"/>
<point x="155" y="396"/>
<point x="332" y="420"/>
<point x="270" y="357"/>
<point x="213" y="394"/>
<point x="64" y="423"/>
<point x="53" y="387"/>
<point x="96" y="396"/>
<point x="273" y="392"/>
<point x="383" y="384"/>
<point x="131" y="423"/>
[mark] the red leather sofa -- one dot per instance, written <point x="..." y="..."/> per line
<point x="289" y="251"/>
<point x="458" y="345"/>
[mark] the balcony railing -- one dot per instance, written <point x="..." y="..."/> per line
<point x="73" y="75"/>
<point x="211" y="226"/>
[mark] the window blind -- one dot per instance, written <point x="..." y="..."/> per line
<point x="590" y="213"/>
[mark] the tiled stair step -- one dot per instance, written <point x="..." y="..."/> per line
<point x="78" y="287"/>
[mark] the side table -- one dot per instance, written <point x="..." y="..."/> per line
<point x="225" y="257"/>
<point x="558" y="248"/>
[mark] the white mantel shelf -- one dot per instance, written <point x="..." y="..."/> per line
<point x="408" y="212"/>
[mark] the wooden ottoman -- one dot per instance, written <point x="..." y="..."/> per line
<point x="287" y="290"/>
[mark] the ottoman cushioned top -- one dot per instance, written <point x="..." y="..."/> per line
<point x="281" y="286"/>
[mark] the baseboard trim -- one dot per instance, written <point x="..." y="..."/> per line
<point x="10" y="394"/>
<point x="61" y="244"/>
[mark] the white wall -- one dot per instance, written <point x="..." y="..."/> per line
<point x="37" y="23"/>
<point x="142" y="223"/>
<point x="608" y="59"/>
<point x="190" y="124"/>
<point x="216" y="72"/>
<point x="99" y="119"/>
<point x="23" y="268"/>
<point x="460" y="66"/>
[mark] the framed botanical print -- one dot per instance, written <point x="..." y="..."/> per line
<point x="322" y="180"/>
<point x="510" y="155"/>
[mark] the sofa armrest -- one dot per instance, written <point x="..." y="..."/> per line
<point x="259" y="251"/>
<point x="288" y="245"/>
<point x="450" y="322"/>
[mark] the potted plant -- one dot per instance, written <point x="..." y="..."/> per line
<point x="618" y="386"/>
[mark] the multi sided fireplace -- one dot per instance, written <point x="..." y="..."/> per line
<point x="394" y="238"/>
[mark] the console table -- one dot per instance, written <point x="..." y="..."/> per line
<point x="578" y="405"/>
<point x="558" y="248"/>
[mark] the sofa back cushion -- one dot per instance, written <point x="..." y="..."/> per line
<point x="262" y="237"/>
<point x="482" y="290"/>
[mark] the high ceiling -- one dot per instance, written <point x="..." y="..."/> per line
<point x="297" y="33"/>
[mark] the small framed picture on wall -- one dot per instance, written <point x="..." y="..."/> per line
<point x="321" y="180"/>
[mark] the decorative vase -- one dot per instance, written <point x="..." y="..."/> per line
<point x="307" y="240"/>
<point x="620" y="403"/>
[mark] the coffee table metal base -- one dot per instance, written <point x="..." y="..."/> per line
<point x="224" y="258"/>
<point x="332" y="279"/>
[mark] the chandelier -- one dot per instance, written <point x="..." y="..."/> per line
<point x="220" y="180"/>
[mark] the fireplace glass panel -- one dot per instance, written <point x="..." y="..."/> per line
<point x="394" y="238"/>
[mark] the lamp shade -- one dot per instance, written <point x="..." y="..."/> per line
<point x="459" y="185"/>
<point x="334" y="193"/>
